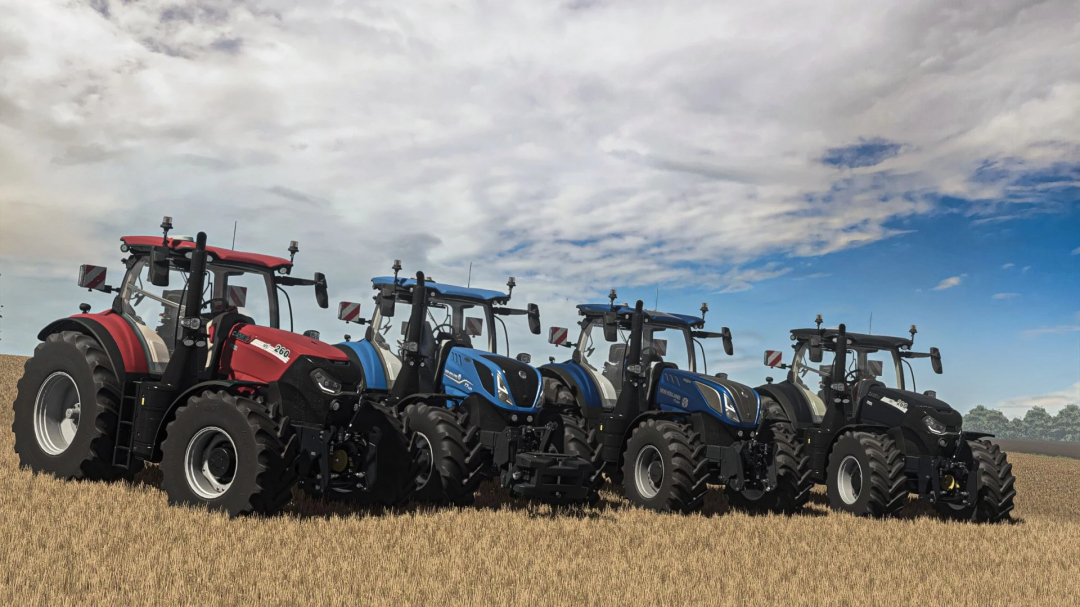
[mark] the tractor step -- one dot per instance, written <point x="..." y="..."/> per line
<point x="550" y="477"/>
<point x="125" y="428"/>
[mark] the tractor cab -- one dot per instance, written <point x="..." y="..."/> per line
<point x="870" y="362"/>
<point x="453" y="318"/>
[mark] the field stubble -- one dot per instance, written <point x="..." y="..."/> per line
<point x="93" y="543"/>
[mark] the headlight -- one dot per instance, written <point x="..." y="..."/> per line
<point x="502" y="390"/>
<point x="719" y="401"/>
<point x="325" y="383"/>
<point x="933" y="425"/>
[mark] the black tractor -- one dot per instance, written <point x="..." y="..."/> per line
<point x="872" y="438"/>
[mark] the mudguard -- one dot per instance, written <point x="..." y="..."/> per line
<point x="115" y="335"/>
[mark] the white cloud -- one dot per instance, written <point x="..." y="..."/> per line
<point x="1076" y="251"/>
<point x="949" y="282"/>
<point x="1007" y="266"/>
<point x="1025" y="269"/>
<point x="555" y="142"/>
<point x="1006" y="295"/>
<point x="1052" y="402"/>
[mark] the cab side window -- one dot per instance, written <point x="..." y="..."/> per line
<point x="154" y="311"/>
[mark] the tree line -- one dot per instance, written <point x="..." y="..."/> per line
<point x="1037" y="423"/>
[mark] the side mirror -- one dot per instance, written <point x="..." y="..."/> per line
<point x="321" y="295"/>
<point x="935" y="360"/>
<point x="474" y="327"/>
<point x="534" y="319"/>
<point x="774" y="358"/>
<point x="611" y="326"/>
<point x="815" y="349"/>
<point x="159" y="266"/>
<point x="557" y="335"/>
<point x="725" y="333"/>
<point x="387" y="301"/>
<point x="92" y="277"/>
<point x="348" y="311"/>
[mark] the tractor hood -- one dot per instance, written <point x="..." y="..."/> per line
<point x="734" y="403"/>
<point x="504" y="381"/>
<point x="285" y="345"/>
<point x="907" y="398"/>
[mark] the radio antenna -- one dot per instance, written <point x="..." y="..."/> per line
<point x="233" y="235"/>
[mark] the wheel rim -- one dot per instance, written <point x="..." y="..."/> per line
<point x="57" y="410"/>
<point x="849" y="481"/>
<point x="426" y="459"/>
<point x="649" y="471"/>
<point x="207" y="474"/>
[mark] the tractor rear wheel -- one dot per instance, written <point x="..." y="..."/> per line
<point x="866" y="475"/>
<point x="664" y="467"/>
<point x="793" y="482"/>
<point x="228" y="453"/>
<point x="447" y="474"/>
<point x="66" y="410"/>
<point x="995" y="498"/>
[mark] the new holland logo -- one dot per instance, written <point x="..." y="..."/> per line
<point x="459" y="380"/>
<point x="523" y="375"/>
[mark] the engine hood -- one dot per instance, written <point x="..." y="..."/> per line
<point x="908" y="398"/>
<point x="732" y="402"/>
<point x="496" y="377"/>
<point x="286" y="345"/>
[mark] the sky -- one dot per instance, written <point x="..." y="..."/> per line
<point x="916" y="160"/>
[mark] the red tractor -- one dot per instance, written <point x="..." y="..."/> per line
<point x="204" y="380"/>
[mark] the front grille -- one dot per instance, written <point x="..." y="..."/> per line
<point x="746" y="401"/>
<point x="523" y="390"/>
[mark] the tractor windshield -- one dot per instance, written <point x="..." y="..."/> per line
<point x="467" y="321"/>
<point x="862" y="363"/>
<point x="659" y="343"/>
<point x="155" y="311"/>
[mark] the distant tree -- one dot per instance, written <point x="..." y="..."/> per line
<point x="1037" y="424"/>
<point x="981" y="419"/>
<point x="1067" y="424"/>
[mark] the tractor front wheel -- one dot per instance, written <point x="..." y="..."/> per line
<point x="66" y="410"/>
<point x="793" y="482"/>
<point x="448" y="469"/>
<point x="228" y="453"/>
<point x="995" y="496"/>
<point x="866" y="475"/>
<point x="664" y="467"/>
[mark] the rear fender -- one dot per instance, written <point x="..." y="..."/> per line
<point x="791" y="400"/>
<point x="125" y="351"/>
<point x="966" y="436"/>
<point x="579" y="382"/>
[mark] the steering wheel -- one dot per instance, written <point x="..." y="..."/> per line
<point x="651" y="351"/>
<point x="851" y="377"/>
<point x="209" y="302"/>
<point x="439" y="327"/>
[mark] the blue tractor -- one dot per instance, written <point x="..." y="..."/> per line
<point x="471" y="411"/>
<point x="666" y="431"/>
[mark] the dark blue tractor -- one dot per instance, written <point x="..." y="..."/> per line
<point x="471" y="411"/>
<point x="666" y="431"/>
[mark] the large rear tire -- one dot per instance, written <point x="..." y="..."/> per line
<point x="66" y="411"/>
<point x="228" y="453"/>
<point x="866" y="475"/>
<point x="995" y="482"/>
<point x="664" y="467"/>
<point x="793" y="482"/>
<point x="447" y="474"/>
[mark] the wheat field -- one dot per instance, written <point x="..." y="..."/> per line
<point x="90" y="543"/>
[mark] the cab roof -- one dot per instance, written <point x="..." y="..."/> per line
<point x="858" y="339"/>
<point x="257" y="260"/>
<point x="654" y="316"/>
<point x="477" y="295"/>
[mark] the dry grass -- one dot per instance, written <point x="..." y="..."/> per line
<point x="91" y="543"/>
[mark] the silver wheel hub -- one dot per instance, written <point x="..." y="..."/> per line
<point x="210" y="462"/>
<point x="57" y="410"/>
<point x="849" y="480"/>
<point x="649" y="472"/>
<point x="426" y="458"/>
